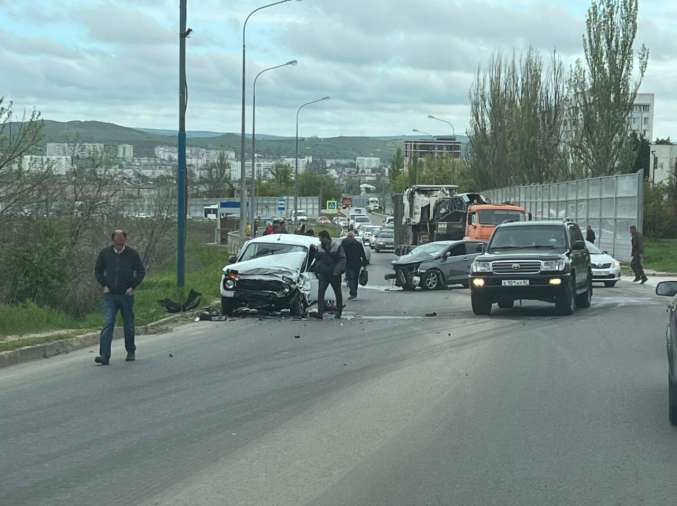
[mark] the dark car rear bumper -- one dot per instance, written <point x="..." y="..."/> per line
<point x="539" y="288"/>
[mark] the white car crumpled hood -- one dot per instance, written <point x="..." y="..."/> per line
<point x="284" y="267"/>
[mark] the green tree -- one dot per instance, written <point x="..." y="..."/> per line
<point x="396" y="165"/>
<point x="602" y="92"/>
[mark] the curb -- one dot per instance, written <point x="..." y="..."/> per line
<point x="46" y="350"/>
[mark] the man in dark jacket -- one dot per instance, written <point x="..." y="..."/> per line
<point x="330" y="263"/>
<point x="356" y="258"/>
<point x="119" y="271"/>
<point x="590" y="235"/>
<point x="636" y="253"/>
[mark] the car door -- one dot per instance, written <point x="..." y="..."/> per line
<point x="580" y="258"/>
<point x="453" y="262"/>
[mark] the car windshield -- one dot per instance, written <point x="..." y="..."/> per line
<point x="592" y="249"/>
<point x="362" y="219"/>
<point x="432" y="248"/>
<point x="528" y="237"/>
<point x="497" y="216"/>
<point x="385" y="234"/>
<point x="262" y="249"/>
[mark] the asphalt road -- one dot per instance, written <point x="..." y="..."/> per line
<point x="386" y="406"/>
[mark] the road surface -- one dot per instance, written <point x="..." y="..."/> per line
<point x="387" y="406"/>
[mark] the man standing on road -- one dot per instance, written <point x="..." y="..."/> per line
<point x="119" y="271"/>
<point x="330" y="263"/>
<point x="356" y="258"/>
<point x="637" y="251"/>
<point x="590" y="235"/>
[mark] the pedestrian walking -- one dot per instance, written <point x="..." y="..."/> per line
<point x="356" y="258"/>
<point x="636" y="253"/>
<point x="330" y="263"/>
<point x="119" y="270"/>
<point x="269" y="229"/>
<point x="301" y="230"/>
<point x="590" y="235"/>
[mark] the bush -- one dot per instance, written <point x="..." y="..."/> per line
<point x="660" y="211"/>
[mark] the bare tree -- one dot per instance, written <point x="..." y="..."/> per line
<point x="217" y="178"/>
<point x="602" y="92"/>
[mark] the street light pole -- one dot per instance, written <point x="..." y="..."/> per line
<point x="453" y="131"/>
<point x="243" y="175"/>
<point x="181" y="152"/>
<point x="252" y="206"/>
<point x="296" y="166"/>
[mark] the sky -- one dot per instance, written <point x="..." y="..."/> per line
<point x="387" y="64"/>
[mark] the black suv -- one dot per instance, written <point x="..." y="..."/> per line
<point x="535" y="260"/>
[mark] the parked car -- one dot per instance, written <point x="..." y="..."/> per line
<point x="359" y="220"/>
<point x="323" y="220"/>
<point x="605" y="268"/>
<point x="385" y="239"/>
<point x="272" y="272"/>
<point x="533" y="260"/>
<point x="669" y="289"/>
<point x="436" y="265"/>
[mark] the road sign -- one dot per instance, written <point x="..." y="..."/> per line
<point x="281" y="206"/>
<point x="331" y="204"/>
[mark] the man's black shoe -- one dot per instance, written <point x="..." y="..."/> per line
<point x="352" y="297"/>
<point x="130" y="357"/>
<point x="102" y="360"/>
<point x="635" y="280"/>
<point x="644" y="280"/>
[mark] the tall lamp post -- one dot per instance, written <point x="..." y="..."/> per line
<point x="296" y="166"/>
<point x="243" y="175"/>
<point x="252" y="205"/>
<point x="416" y="130"/>
<point x="453" y="131"/>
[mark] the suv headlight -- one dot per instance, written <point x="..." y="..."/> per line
<point x="555" y="265"/>
<point x="481" y="267"/>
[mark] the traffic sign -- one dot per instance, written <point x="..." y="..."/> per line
<point x="281" y="206"/>
<point x="332" y="204"/>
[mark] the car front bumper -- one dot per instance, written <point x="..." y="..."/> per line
<point x="610" y="274"/>
<point x="539" y="286"/>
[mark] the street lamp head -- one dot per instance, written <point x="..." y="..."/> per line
<point x="292" y="62"/>
<point x="325" y="98"/>
<point x="430" y="116"/>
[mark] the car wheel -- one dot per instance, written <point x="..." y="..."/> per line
<point x="672" y="396"/>
<point x="377" y="250"/>
<point x="584" y="300"/>
<point x="480" y="304"/>
<point x="432" y="280"/>
<point x="297" y="307"/>
<point x="609" y="284"/>
<point x="565" y="303"/>
<point x="227" y="306"/>
<point x="506" y="304"/>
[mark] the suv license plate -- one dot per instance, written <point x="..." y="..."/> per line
<point x="515" y="282"/>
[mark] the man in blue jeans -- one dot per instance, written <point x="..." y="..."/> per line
<point x="119" y="271"/>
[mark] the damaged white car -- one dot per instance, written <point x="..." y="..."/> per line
<point x="272" y="273"/>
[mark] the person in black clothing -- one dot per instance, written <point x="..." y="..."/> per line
<point x="119" y="271"/>
<point x="590" y="235"/>
<point x="636" y="253"/>
<point x="356" y="258"/>
<point x="330" y="263"/>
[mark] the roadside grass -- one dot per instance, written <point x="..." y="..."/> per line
<point x="661" y="255"/>
<point x="203" y="266"/>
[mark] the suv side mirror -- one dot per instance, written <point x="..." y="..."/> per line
<point x="232" y="259"/>
<point x="667" y="288"/>
<point x="579" y="245"/>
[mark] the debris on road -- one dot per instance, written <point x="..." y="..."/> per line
<point x="431" y="314"/>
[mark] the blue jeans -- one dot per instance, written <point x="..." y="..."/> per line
<point x="352" y="277"/>
<point x="111" y="305"/>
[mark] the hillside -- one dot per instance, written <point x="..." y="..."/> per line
<point x="144" y="142"/>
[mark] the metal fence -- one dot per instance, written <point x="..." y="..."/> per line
<point x="608" y="204"/>
<point x="266" y="207"/>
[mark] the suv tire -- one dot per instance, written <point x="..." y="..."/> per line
<point x="227" y="306"/>
<point x="583" y="300"/>
<point x="672" y="396"/>
<point x="297" y="307"/>
<point x="564" y="304"/>
<point x="480" y="304"/>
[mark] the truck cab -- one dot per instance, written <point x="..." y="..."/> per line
<point x="482" y="219"/>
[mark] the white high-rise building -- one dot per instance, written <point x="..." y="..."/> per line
<point x="663" y="163"/>
<point x="367" y="162"/>
<point x="125" y="151"/>
<point x="641" y="118"/>
<point x="81" y="149"/>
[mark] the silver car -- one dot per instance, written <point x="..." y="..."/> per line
<point x="605" y="268"/>
<point x="384" y="239"/>
<point x="436" y="265"/>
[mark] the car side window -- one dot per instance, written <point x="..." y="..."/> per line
<point x="574" y="235"/>
<point x="458" y="250"/>
<point x="472" y="218"/>
<point x="479" y="247"/>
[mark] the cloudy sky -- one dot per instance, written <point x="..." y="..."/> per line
<point x="387" y="64"/>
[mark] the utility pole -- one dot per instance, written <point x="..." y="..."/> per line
<point x="181" y="175"/>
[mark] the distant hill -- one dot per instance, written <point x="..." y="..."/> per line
<point x="145" y="140"/>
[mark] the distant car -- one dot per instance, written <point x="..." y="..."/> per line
<point x="367" y="233"/>
<point x="385" y="239"/>
<point x="436" y="265"/>
<point x="359" y="220"/>
<point x="605" y="268"/>
<point x="272" y="272"/>
<point x="299" y="217"/>
<point x="323" y="220"/>
<point x="669" y="289"/>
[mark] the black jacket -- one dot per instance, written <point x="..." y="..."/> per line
<point x="119" y="272"/>
<point x="637" y="245"/>
<point x="590" y="236"/>
<point x="331" y="262"/>
<point x="355" y="255"/>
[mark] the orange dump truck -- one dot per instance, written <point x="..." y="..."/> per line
<point x="483" y="218"/>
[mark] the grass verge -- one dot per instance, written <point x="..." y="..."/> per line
<point x="203" y="265"/>
<point x="660" y="255"/>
